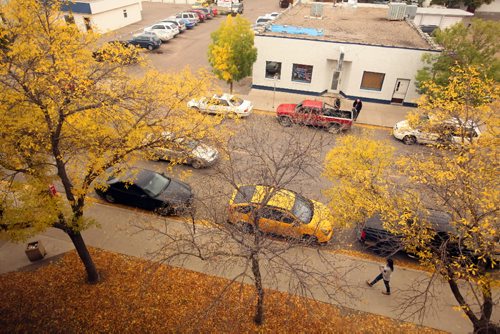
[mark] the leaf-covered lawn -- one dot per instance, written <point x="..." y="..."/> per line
<point x="136" y="296"/>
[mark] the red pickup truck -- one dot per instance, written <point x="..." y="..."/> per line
<point x="315" y="113"/>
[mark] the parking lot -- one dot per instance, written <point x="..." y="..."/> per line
<point x="190" y="47"/>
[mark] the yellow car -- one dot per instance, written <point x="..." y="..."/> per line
<point x="282" y="212"/>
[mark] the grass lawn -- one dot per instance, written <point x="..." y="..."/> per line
<point x="137" y="296"/>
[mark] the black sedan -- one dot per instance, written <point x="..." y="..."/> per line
<point x="148" y="190"/>
<point x="146" y="40"/>
<point x="374" y="236"/>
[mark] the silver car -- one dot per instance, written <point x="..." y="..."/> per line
<point x="187" y="151"/>
<point x="404" y="132"/>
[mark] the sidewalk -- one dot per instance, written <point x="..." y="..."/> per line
<point x="385" y="115"/>
<point x="118" y="235"/>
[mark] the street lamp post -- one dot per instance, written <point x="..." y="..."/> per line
<point x="274" y="90"/>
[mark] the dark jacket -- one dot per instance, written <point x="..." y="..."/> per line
<point x="357" y="105"/>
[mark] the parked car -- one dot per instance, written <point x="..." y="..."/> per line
<point x="147" y="41"/>
<point x="120" y="52"/>
<point x="189" y="24"/>
<point x="446" y="133"/>
<point x="200" y="14"/>
<point x="315" y="113"/>
<point x="232" y="7"/>
<point x="180" y="23"/>
<point x="163" y="34"/>
<point x="284" y="3"/>
<point x="164" y="26"/>
<point x="207" y="11"/>
<point x="286" y="213"/>
<point x="222" y="104"/>
<point x="186" y="150"/>
<point x="262" y="20"/>
<point x="191" y="17"/>
<point x="374" y="236"/>
<point x="148" y="190"/>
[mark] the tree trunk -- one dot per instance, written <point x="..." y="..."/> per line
<point x="481" y="325"/>
<point x="230" y="87"/>
<point x="486" y="327"/>
<point x="81" y="248"/>
<point x="259" y="308"/>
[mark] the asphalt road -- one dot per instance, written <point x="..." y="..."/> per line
<point x="210" y="185"/>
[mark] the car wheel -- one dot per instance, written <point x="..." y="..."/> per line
<point x="285" y="121"/>
<point x="310" y="239"/>
<point x="197" y="164"/>
<point x="109" y="198"/>
<point x="334" y="128"/>
<point x="409" y="140"/>
<point x="244" y="227"/>
<point x="150" y="47"/>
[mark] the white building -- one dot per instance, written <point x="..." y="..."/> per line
<point x="440" y="17"/>
<point x="102" y="15"/>
<point x="355" y="52"/>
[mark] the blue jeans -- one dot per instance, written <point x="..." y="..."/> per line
<point x="378" y="278"/>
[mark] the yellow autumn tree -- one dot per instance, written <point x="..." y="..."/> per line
<point x="232" y="52"/>
<point x="460" y="180"/>
<point x="66" y="118"/>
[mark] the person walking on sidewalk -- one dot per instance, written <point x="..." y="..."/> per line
<point x="385" y="274"/>
<point x="356" y="108"/>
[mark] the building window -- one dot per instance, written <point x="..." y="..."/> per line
<point x="125" y="13"/>
<point x="69" y="19"/>
<point x="372" y="81"/>
<point x="273" y="69"/>
<point x="302" y="73"/>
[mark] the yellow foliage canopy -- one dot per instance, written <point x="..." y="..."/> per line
<point x="67" y="117"/>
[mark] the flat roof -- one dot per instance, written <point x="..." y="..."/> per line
<point x="360" y="25"/>
<point x="443" y="11"/>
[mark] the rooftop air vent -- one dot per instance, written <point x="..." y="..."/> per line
<point x="397" y="11"/>
<point x="411" y="11"/>
<point x="316" y="9"/>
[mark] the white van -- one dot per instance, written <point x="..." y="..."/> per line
<point x="191" y="17"/>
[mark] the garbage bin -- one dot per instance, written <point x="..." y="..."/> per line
<point x="35" y="251"/>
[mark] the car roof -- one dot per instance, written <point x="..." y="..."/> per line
<point x="133" y="175"/>
<point x="312" y="103"/>
<point x="440" y="220"/>
<point x="282" y="198"/>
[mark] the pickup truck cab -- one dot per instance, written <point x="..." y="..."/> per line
<point x="315" y="113"/>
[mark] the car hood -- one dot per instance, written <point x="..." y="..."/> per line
<point x="246" y="104"/>
<point x="176" y="191"/>
<point x="205" y="152"/>
<point x="322" y="218"/>
<point x="286" y="108"/>
<point x="403" y="125"/>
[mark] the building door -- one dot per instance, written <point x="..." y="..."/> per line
<point x="400" y="90"/>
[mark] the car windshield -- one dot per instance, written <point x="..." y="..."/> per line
<point x="152" y="183"/>
<point x="303" y="209"/>
<point x="244" y="194"/>
<point x="236" y="101"/>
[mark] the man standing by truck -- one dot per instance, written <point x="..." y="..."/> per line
<point x="356" y="108"/>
